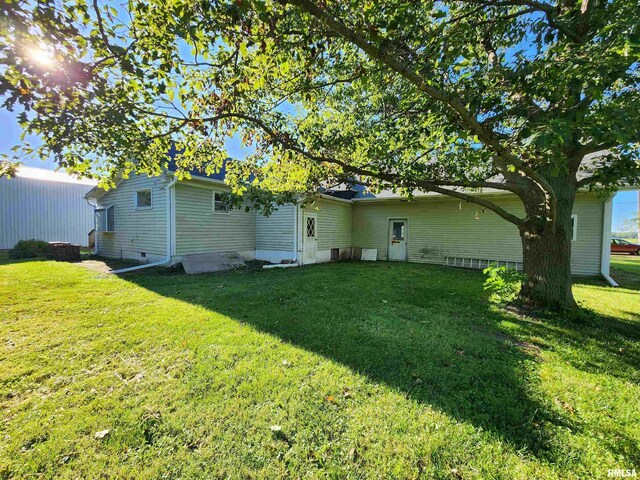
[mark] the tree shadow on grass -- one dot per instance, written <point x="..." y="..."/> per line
<point x="425" y="331"/>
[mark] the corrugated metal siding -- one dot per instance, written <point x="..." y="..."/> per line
<point x="200" y="230"/>
<point x="438" y="228"/>
<point x="44" y="210"/>
<point x="334" y="224"/>
<point x="276" y="232"/>
<point x="136" y="230"/>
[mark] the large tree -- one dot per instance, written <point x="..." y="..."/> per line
<point x="442" y="96"/>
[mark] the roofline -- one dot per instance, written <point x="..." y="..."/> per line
<point x="331" y="197"/>
<point x="426" y="196"/>
<point x="199" y="178"/>
<point x="495" y="192"/>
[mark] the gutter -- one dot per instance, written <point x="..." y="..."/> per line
<point x="167" y="259"/>
<point x="605" y="261"/>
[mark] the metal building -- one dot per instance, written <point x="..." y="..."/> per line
<point x="44" y="205"/>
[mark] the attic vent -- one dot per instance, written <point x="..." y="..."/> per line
<point x="335" y="254"/>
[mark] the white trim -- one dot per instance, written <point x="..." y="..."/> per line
<point x="296" y="207"/>
<point x="213" y="204"/>
<point x="106" y="208"/>
<point x="135" y="199"/>
<point x="605" y="259"/>
<point x="574" y="224"/>
<point x="171" y="192"/>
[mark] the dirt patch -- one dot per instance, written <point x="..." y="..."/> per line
<point x="105" y="265"/>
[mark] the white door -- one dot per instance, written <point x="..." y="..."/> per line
<point x="310" y="239"/>
<point x="398" y="240"/>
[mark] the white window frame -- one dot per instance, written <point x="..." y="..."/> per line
<point x="574" y="223"/>
<point x="135" y="199"/>
<point x="106" y="212"/>
<point x="213" y="205"/>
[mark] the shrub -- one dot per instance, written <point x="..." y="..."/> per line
<point x="503" y="283"/>
<point x="29" y="249"/>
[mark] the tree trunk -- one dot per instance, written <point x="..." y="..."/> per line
<point x="546" y="253"/>
<point x="547" y="266"/>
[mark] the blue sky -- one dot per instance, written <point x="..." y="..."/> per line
<point x="624" y="204"/>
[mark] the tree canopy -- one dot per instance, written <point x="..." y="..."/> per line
<point x="428" y="95"/>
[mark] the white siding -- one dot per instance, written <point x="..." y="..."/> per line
<point x="333" y="227"/>
<point x="440" y="227"/>
<point x="44" y="210"/>
<point x="334" y="224"/>
<point x="586" y="250"/>
<point x="136" y="231"/>
<point x="201" y="230"/>
<point x="276" y="232"/>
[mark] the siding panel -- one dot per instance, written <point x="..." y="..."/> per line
<point x="136" y="231"/>
<point x="441" y="227"/>
<point x="276" y="232"/>
<point x="200" y="230"/>
<point x="334" y="224"/>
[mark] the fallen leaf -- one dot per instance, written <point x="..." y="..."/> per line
<point x="101" y="434"/>
<point x="275" y="428"/>
<point x="565" y="405"/>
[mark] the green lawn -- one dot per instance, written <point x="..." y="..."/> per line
<point x="343" y="370"/>
<point x="626" y="269"/>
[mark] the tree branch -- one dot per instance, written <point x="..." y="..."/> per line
<point x="467" y="118"/>
<point x="426" y="185"/>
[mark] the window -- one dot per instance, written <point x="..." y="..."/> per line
<point x="311" y="227"/>
<point x="398" y="231"/>
<point x="105" y="219"/>
<point x="219" y="203"/>
<point x="574" y="227"/>
<point x="143" y="199"/>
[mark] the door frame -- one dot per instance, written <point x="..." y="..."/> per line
<point x="306" y="215"/>
<point x="406" y="237"/>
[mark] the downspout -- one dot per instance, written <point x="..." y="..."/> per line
<point x="605" y="261"/>
<point x="167" y="259"/>
<point x="295" y="233"/>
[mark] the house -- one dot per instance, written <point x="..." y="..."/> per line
<point x="44" y="205"/>
<point x="161" y="219"/>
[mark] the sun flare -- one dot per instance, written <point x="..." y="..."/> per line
<point x="41" y="56"/>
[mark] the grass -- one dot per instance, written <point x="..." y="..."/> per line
<point x="342" y="370"/>
<point x="626" y="269"/>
